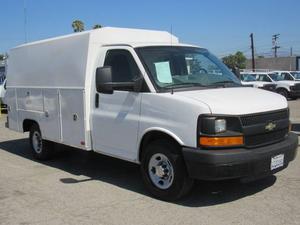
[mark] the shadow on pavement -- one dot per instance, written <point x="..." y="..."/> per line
<point x="127" y="175"/>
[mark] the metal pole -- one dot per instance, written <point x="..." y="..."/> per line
<point x="274" y="39"/>
<point x="25" y="20"/>
<point x="252" y="51"/>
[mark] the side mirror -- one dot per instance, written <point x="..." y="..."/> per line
<point x="104" y="80"/>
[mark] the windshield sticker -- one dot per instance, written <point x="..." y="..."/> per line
<point x="163" y="72"/>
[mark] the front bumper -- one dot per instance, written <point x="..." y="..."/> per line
<point x="238" y="163"/>
<point x="294" y="93"/>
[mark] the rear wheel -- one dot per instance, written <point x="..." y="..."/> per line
<point x="164" y="172"/>
<point x="41" y="149"/>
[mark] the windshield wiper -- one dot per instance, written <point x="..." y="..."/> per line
<point x="224" y="82"/>
<point x="183" y="85"/>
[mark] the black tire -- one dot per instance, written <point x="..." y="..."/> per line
<point x="45" y="148"/>
<point x="283" y="92"/>
<point x="181" y="183"/>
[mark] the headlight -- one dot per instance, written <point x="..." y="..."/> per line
<point x="220" y="125"/>
<point x="219" y="131"/>
<point x="213" y="125"/>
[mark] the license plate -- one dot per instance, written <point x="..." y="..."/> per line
<point x="277" y="161"/>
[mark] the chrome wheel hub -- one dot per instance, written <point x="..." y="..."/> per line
<point x="37" y="142"/>
<point x="161" y="171"/>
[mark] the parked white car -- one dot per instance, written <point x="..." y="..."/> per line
<point x="144" y="97"/>
<point x="288" y="75"/>
<point x="249" y="78"/>
<point x="295" y="75"/>
<point x="286" y="84"/>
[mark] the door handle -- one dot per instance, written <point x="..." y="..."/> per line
<point x="97" y="100"/>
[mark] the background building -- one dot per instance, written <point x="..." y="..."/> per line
<point x="279" y="63"/>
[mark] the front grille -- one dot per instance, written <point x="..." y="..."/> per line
<point x="264" y="117"/>
<point x="296" y="87"/>
<point x="255" y="122"/>
<point x="266" y="138"/>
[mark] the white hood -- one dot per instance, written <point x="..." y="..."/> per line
<point x="237" y="101"/>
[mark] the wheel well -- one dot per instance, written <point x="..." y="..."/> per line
<point x="27" y="124"/>
<point x="282" y="88"/>
<point x="152" y="136"/>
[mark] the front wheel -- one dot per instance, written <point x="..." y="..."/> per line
<point x="41" y="149"/>
<point x="283" y="92"/>
<point x="164" y="172"/>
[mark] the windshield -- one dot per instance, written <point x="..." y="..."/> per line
<point x="296" y="75"/>
<point x="181" y="67"/>
<point x="248" y="77"/>
<point x="275" y="76"/>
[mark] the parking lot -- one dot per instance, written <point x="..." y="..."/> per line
<point x="80" y="187"/>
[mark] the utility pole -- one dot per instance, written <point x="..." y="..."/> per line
<point x="275" y="46"/>
<point x="291" y="51"/>
<point x="25" y="20"/>
<point x="252" y="51"/>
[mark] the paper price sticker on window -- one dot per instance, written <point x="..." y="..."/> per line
<point x="163" y="72"/>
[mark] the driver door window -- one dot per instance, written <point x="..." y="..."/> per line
<point x="124" y="68"/>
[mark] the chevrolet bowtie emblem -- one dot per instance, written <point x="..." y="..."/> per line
<point x="270" y="126"/>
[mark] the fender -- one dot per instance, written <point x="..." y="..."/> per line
<point x="163" y="130"/>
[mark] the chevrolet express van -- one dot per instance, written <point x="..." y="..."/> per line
<point x="142" y="96"/>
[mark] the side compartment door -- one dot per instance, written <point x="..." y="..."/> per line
<point x="115" y="118"/>
<point x="72" y="117"/>
<point x="51" y="120"/>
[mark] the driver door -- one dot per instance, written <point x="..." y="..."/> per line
<point x="115" y="117"/>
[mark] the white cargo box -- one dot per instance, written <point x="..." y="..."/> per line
<point x="50" y="81"/>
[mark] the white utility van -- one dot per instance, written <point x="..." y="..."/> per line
<point x="295" y="75"/>
<point x="284" y="83"/>
<point x="249" y="78"/>
<point x="142" y="96"/>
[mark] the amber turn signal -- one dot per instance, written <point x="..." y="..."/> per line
<point x="221" y="141"/>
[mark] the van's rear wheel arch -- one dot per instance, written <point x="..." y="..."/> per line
<point x="28" y="123"/>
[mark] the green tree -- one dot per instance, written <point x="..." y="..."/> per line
<point x="97" y="26"/>
<point x="238" y="60"/>
<point x="78" y="26"/>
<point x="2" y="57"/>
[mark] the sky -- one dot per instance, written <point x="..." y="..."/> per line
<point x="222" y="26"/>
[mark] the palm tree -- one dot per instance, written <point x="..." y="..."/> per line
<point x="97" y="26"/>
<point x="78" y="26"/>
